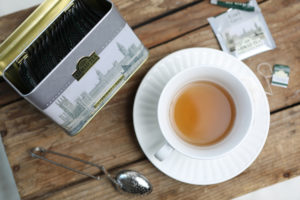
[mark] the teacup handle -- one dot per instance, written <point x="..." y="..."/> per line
<point x="164" y="152"/>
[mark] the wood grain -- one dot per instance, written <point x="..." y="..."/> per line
<point x="179" y="23"/>
<point x="102" y="142"/>
<point x="278" y="161"/>
<point x="7" y="94"/>
<point x="136" y="12"/>
<point x="109" y="139"/>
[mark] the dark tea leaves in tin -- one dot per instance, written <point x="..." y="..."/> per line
<point x="29" y="83"/>
<point x="58" y="40"/>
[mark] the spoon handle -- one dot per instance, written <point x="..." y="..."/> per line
<point x="40" y="152"/>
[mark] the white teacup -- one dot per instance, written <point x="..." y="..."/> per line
<point x="242" y="123"/>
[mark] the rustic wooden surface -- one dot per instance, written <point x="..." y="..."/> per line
<point x="164" y="26"/>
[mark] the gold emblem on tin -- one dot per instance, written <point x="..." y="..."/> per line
<point x="84" y="64"/>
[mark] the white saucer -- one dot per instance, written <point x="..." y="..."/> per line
<point x="179" y="166"/>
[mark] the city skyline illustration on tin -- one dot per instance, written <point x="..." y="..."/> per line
<point x="76" y="112"/>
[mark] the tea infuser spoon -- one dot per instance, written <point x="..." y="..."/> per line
<point x="125" y="181"/>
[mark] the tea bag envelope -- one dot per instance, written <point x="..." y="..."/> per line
<point x="242" y="33"/>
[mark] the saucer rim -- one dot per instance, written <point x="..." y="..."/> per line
<point x="253" y="157"/>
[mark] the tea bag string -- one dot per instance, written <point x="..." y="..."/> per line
<point x="266" y="77"/>
<point x="296" y="94"/>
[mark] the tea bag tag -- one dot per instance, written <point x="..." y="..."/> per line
<point x="280" y="75"/>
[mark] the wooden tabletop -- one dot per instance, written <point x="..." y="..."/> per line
<point x="164" y="26"/>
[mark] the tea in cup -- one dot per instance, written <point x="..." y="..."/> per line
<point x="203" y="112"/>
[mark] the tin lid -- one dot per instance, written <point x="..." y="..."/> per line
<point x="26" y="33"/>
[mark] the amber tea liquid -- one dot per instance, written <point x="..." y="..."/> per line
<point x="202" y="113"/>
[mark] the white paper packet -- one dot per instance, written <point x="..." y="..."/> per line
<point x="242" y="33"/>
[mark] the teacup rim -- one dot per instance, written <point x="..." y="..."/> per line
<point x="159" y="116"/>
